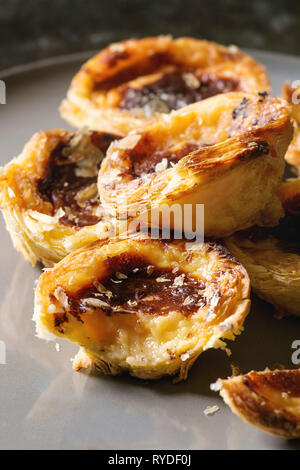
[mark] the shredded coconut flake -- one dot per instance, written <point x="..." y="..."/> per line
<point x="211" y="410"/>
<point x="161" y="166"/>
<point x="103" y="289"/>
<point x="185" y="356"/>
<point x="216" y="386"/>
<point x="129" y="142"/>
<point x="191" y="80"/>
<point x="162" y="279"/>
<point x="62" y="297"/>
<point x="188" y="300"/>
<point x="179" y="280"/>
<point x="121" y="276"/>
<point x="91" y="302"/>
<point x="52" y="309"/>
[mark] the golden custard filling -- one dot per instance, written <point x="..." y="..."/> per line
<point x="70" y="179"/>
<point x="144" y="306"/>
<point x="132" y="287"/>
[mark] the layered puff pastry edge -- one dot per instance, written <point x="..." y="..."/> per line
<point x="292" y="95"/>
<point x="142" y="306"/>
<point x="269" y="400"/>
<point x="130" y="83"/>
<point x="226" y="152"/>
<point x="49" y="196"/>
<point x="272" y="256"/>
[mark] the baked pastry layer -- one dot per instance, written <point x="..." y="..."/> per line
<point x="226" y="152"/>
<point x="49" y="196"/>
<point x="272" y="256"/>
<point x="147" y="307"/>
<point x="130" y="83"/>
<point x="292" y="95"/>
<point x="269" y="400"/>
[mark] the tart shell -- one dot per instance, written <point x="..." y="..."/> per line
<point x="95" y="95"/>
<point x="146" y="345"/>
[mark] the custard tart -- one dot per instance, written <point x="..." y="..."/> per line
<point x="292" y="95"/>
<point x="132" y="82"/>
<point x="269" y="400"/>
<point x="271" y="256"/>
<point x="225" y="152"/>
<point x="49" y="195"/>
<point x="143" y="306"/>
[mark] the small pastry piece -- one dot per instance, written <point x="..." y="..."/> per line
<point x="143" y="306"/>
<point x="226" y="152"/>
<point x="129" y="83"/>
<point x="49" y="195"/>
<point x="292" y="95"/>
<point x="269" y="400"/>
<point x="272" y="256"/>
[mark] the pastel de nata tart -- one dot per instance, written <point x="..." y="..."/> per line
<point x="142" y="306"/>
<point x="129" y="83"/>
<point x="292" y="95"/>
<point x="269" y="400"/>
<point x="272" y="256"/>
<point x="49" y="196"/>
<point x="226" y="152"/>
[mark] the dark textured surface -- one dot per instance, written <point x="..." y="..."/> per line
<point x="38" y="29"/>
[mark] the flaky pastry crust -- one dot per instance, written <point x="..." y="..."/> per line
<point x="128" y="84"/>
<point x="292" y="95"/>
<point x="226" y="152"/>
<point x="146" y="307"/>
<point x="39" y="194"/>
<point x="272" y="257"/>
<point x="269" y="400"/>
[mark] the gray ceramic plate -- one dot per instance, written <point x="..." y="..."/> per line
<point x="44" y="404"/>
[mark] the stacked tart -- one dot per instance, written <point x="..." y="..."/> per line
<point x="162" y="124"/>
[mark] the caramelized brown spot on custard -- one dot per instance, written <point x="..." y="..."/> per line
<point x="70" y="181"/>
<point x="174" y="91"/>
<point x="143" y="163"/>
<point x="133" y="286"/>
<point x="128" y="73"/>
<point x="281" y="381"/>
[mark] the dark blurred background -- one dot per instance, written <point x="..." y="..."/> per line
<point x="37" y="29"/>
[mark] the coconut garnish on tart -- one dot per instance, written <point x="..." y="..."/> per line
<point x="226" y="152"/>
<point x="146" y="307"/>
<point x="49" y="196"/>
<point x="128" y="84"/>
